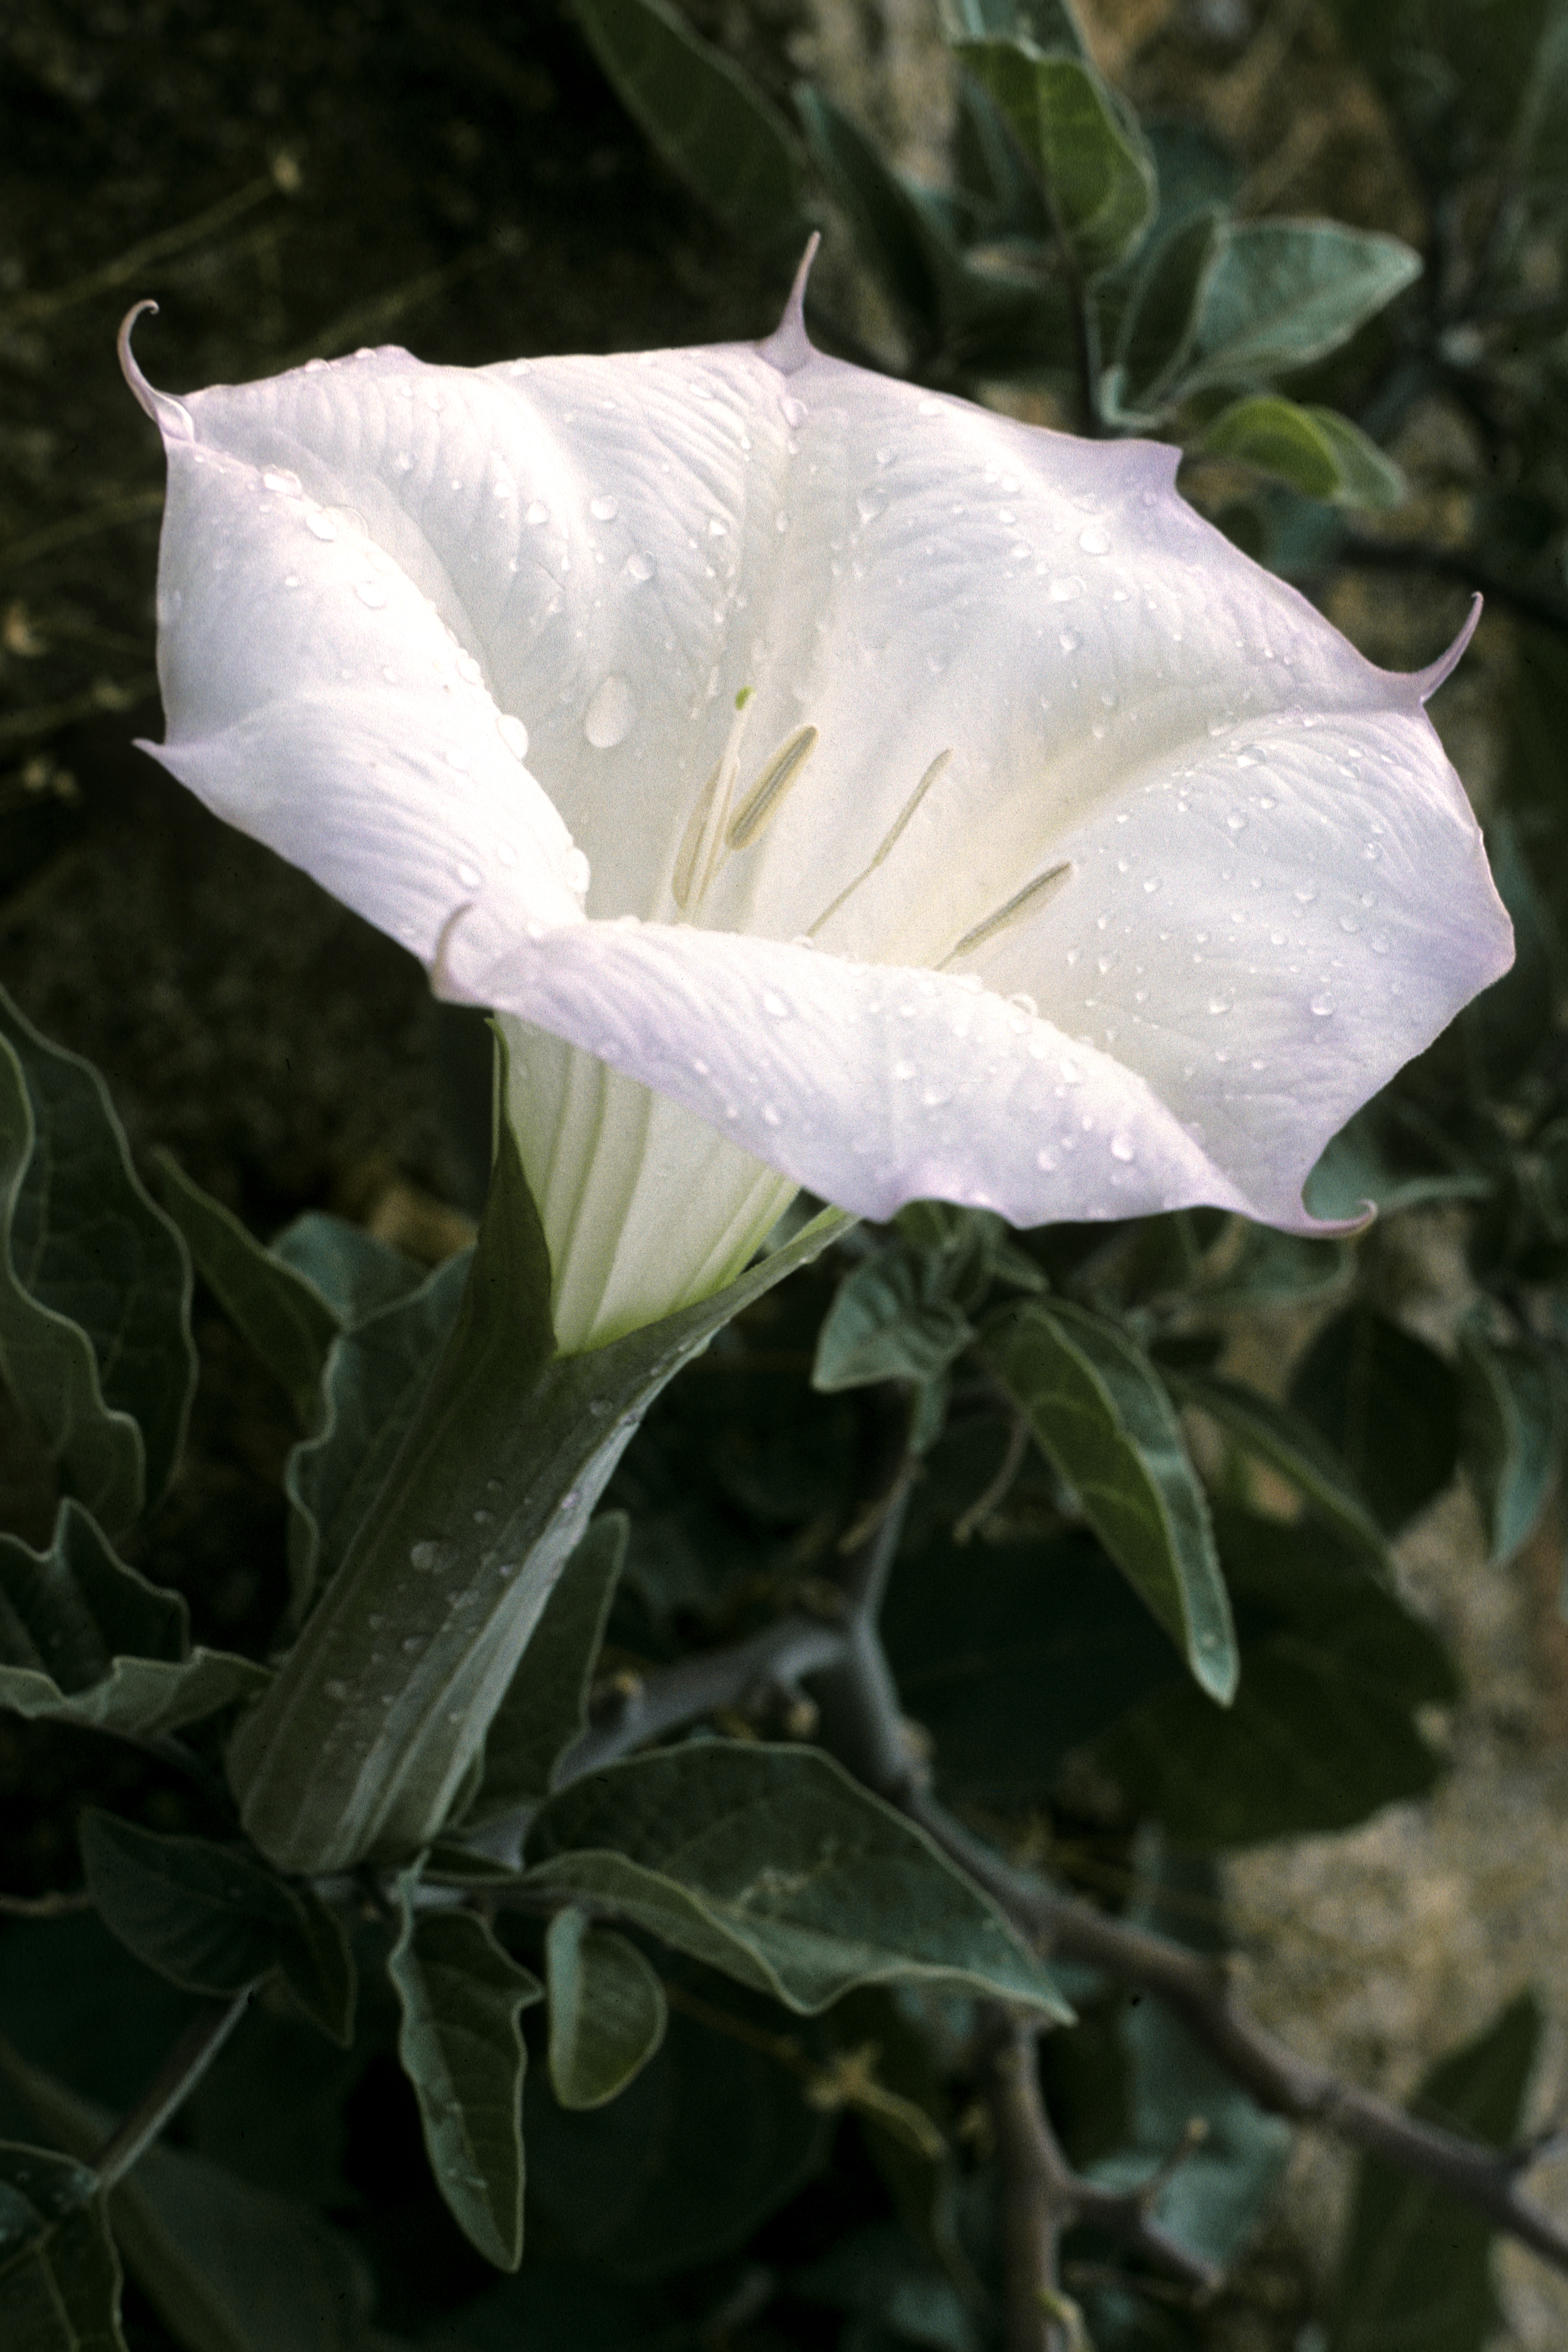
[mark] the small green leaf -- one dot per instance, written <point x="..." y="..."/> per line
<point x="213" y="1919"/>
<point x="1281" y="293"/>
<point x="1092" y="159"/>
<point x="1416" y="2266"/>
<point x="706" y="119"/>
<point x="607" y="2012"/>
<point x="893" y="1319"/>
<point x="462" y="2050"/>
<point x="773" y="1865"/>
<point x="1323" y="1727"/>
<point x="59" y="2276"/>
<point x="86" y="1639"/>
<point x="1511" y="1437"/>
<point x="1388" y="1405"/>
<point x="1101" y="1412"/>
<point x="546" y="1704"/>
<point x="374" y="1377"/>
<point x="1214" y="2200"/>
<point x="1290" y="1445"/>
<point x="95" y="1284"/>
<point x="284" y="1318"/>
<point x="1313" y="450"/>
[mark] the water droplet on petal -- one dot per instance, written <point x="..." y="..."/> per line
<point x="537" y="512"/>
<point x="1093" y="540"/>
<point x="1121" y="1147"/>
<point x="1378" y="943"/>
<point x="1219" y="1005"/>
<point x="870" y="504"/>
<point x="576" y="871"/>
<point x="512" y="733"/>
<point x="774" y="1003"/>
<point x="772" y="1116"/>
<point x="290" y="579"/>
<point x="322" y="525"/>
<point x="640" y="565"/>
<point x="278" y="477"/>
<point x="611" y="715"/>
<point x="373" y="593"/>
<point x="469" y="876"/>
<point x="1322" y="1004"/>
<point x="603" y="510"/>
<point x="1065" y="590"/>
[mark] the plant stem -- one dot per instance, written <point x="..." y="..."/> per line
<point x="182" y="2069"/>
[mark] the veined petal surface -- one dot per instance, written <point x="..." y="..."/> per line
<point x="968" y="744"/>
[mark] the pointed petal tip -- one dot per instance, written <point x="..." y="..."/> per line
<point x="171" y="416"/>
<point x="1427" y="681"/>
<point x="789" y="346"/>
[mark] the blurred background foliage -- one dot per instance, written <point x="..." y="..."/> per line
<point x="1323" y="246"/>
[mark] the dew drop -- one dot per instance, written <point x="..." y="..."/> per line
<point x="774" y="1003"/>
<point x="904" y="1070"/>
<point x="1305" y="894"/>
<point x="611" y="715"/>
<point x="603" y="510"/>
<point x="770" y="1116"/>
<point x="1067" y="590"/>
<point x="469" y="669"/>
<point x="1070" y="640"/>
<point x="336" y="1690"/>
<point x="870" y="504"/>
<point x="290" y="579"/>
<point x="1378" y="943"/>
<point x="536" y="512"/>
<point x="411" y="1645"/>
<point x="432" y="1558"/>
<point x="322" y="525"/>
<point x="1070" y="1073"/>
<point x="1219" y="1005"/>
<point x="1322" y="1005"/>
<point x="640" y="565"/>
<point x="1093" y="540"/>
<point x="469" y="876"/>
<point x="373" y="593"/>
<point x="1121" y="1147"/>
<point x="793" y="410"/>
<point x="512" y="733"/>
<point x="1046" y="1160"/>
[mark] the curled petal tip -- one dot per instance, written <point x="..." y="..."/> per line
<point x="170" y="417"/>
<point x="1427" y="681"/>
<point x="789" y="346"/>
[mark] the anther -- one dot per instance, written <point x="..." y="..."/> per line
<point x="767" y="797"/>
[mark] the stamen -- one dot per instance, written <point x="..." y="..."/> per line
<point x="704" y="841"/>
<point x="889" y="840"/>
<point x="767" y="797"/>
<point x="1023" y="902"/>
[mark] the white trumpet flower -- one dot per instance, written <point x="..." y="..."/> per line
<point x="830" y="782"/>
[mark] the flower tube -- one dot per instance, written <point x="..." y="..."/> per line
<point x="831" y="783"/>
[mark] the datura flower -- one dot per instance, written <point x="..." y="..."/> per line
<point x="830" y="782"/>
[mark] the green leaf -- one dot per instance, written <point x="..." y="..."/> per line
<point x="95" y="1284"/>
<point x="1011" y="1655"/>
<point x="1096" y="168"/>
<point x="773" y="1865"/>
<point x="1101" y="1412"/>
<point x="374" y="1377"/>
<point x="1277" y="1435"/>
<point x="1323" y="1727"/>
<point x="1511" y="1437"/>
<point x="462" y="2050"/>
<point x="1541" y="133"/>
<point x="213" y="1919"/>
<point x="1416" y="2266"/>
<point x="607" y="2012"/>
<point x="227" y="2267"/>
<point x="1313" y="450"/>
<point x="1216" y="2198"/>
<point x="1279" y="294"/>
<point x="355" y="1273"/>
<point x="546" y="1704"/>
<point x="86" y="1639"/>
<point x="1504" y="1028"/>
<point x="1354" y="1171"/>
<point x="508" y="1451"/>
<point x="706" y="119"/>
<point x="891" y="229"/>
<point x="59" y="2276"/>
<point x="713" y="2136"/>
<point x="1388" y="1405"/>
<point x="1052" y="26"/>
<point x="1161" y="320"/>
<point x="1273" y="1269"/>
<point x="284" y="1318"/>
<point x="893" y="1319"/>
